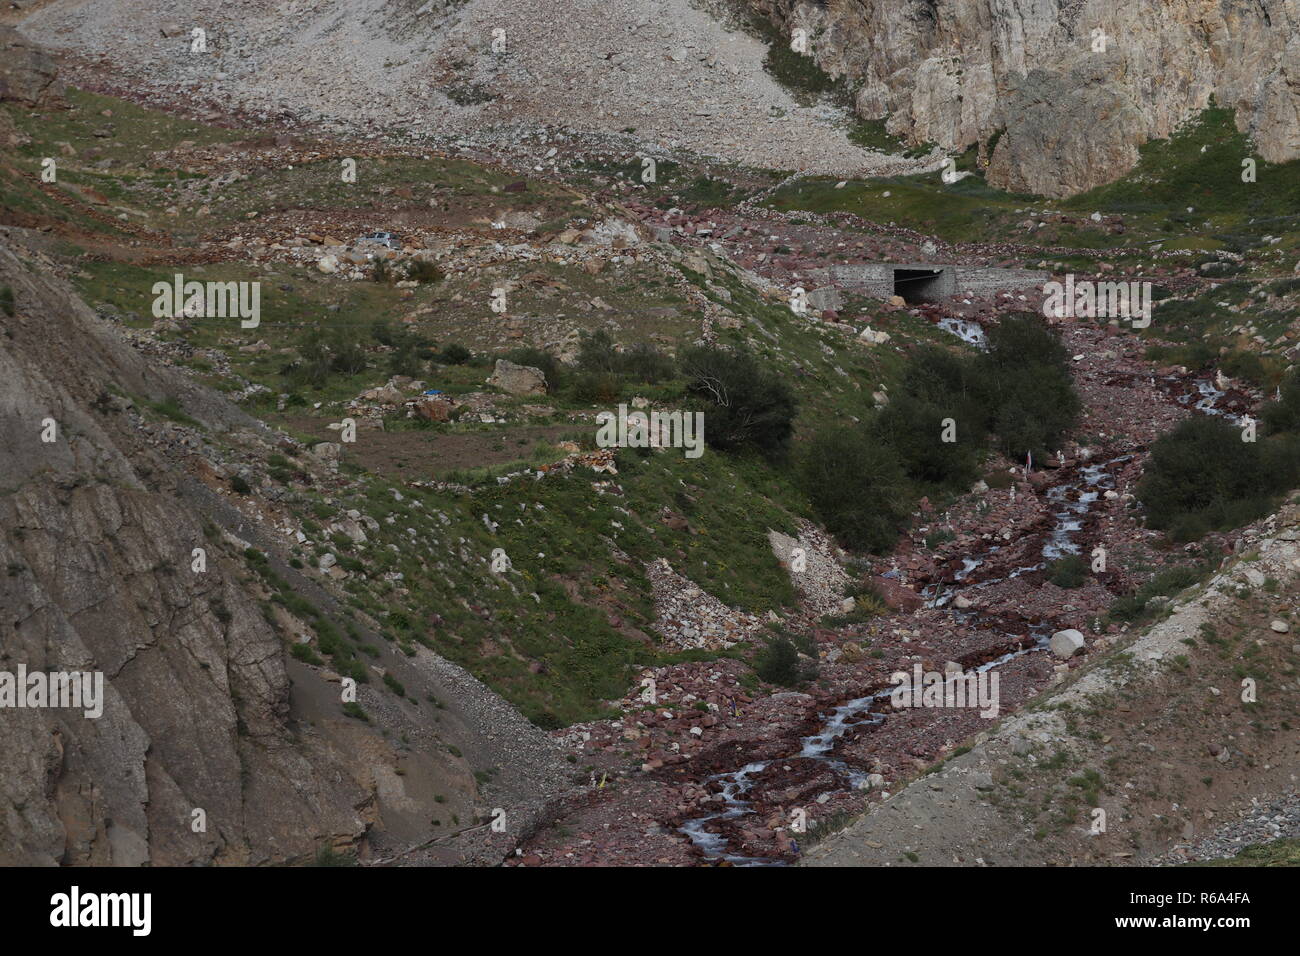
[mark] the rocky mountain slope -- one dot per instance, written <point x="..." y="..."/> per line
<point x="204" y="708"/>
<point x="1059" y="94"/>
<point x="1068" y="90"/>
<point x="662" y="72"/>
<point x="689" y="692"/>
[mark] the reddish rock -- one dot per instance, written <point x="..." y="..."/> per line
<point x="899" y="597"/>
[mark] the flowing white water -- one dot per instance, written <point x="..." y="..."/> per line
<point x="969" y="332"/>
<point x="1073" y="500"/>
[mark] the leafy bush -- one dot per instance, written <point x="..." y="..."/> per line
<point x="642" y="362"/>
<point x="1248" y="366"/>
<point x="1025" y="379"/>
<point x="346" y="354"/>
<point x="354" y="710"/>
<point x="856" y="486"/>
<point x="1020" y="389"/>
<point x="304" y="653"/>
<point x="455" y="354"/>
<point x="318" y="359"/>
<point x="394" y="685"/>
<point x="913" y="428"/>
<point x="328" y="856"/>
<point x="1203" y="477"/>
<point x="597" y="388"/>
<point x="7" y="300"/>
<point x="410" y="355"/>
<point x="1283" y="415"/>
<point x="745" y="404"/>
<point x="1168" y="582"/>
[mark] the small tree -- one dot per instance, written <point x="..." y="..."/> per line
<point x="779" y="664"/>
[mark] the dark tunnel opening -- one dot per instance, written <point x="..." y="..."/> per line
<point x="918" y="285"/>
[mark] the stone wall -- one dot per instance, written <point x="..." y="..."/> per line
<point x="876" y="279"/>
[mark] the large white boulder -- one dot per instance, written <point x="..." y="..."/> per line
<point x="1066" y="643"/>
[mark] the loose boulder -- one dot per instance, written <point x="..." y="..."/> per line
<point x="518" y="379"/>
<point x="1066" y="643"/>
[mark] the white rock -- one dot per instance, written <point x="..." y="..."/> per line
<point x="1066" y="643"/>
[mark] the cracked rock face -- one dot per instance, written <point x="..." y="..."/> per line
<point x="97" y="579"/>
<point x="27" y="74"/>
<point x="954" y="72"/>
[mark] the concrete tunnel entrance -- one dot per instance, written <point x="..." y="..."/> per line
<point x="922" y="284"/>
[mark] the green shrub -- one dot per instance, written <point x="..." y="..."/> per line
<point x="596" y="388"/>
<point x="319" y="358"/>
<point x="598" y="354"/>
<point x="1202" y="477"/>
<point x="304" y="653"/>
<point x="1019" y="389"/>
<point x="856" y="486"/>
<point x="455" y="354"/>
<point x="914" y="427"/>
<point x="328" y="856"/>
<point x="1028" y="392"/>
<point x="410" y="349"/>
<point x="1283" y="415"/>
<point x="779" y="663"/>
<point x="353" y="710"/>
<point x="1249" y="366"/>
<point x="1168" y="582"/>
<point x="1069" y="572"/>
<point x="394" y="685"/>
<point x="7" y="300"/>
<point x="382" y="331"/>
<point x="744" y="403"/>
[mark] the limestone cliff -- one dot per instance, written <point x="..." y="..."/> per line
<point x="1072" y="107"/>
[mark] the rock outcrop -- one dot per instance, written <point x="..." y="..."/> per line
<point x="1072" y="89"/>
<point x="27" y="74"/>
<point x="214" y="745"/>
<point x="518" y="379"/>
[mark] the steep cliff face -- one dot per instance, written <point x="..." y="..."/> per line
<point x="1072" y="108"/>
<point x="98" y="579"/>
<point x="202" y="708"/>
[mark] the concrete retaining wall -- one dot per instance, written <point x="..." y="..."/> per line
<point x="877" y="279"/>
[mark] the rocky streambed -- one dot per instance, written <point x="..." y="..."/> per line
<point x="760" y="788"/>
